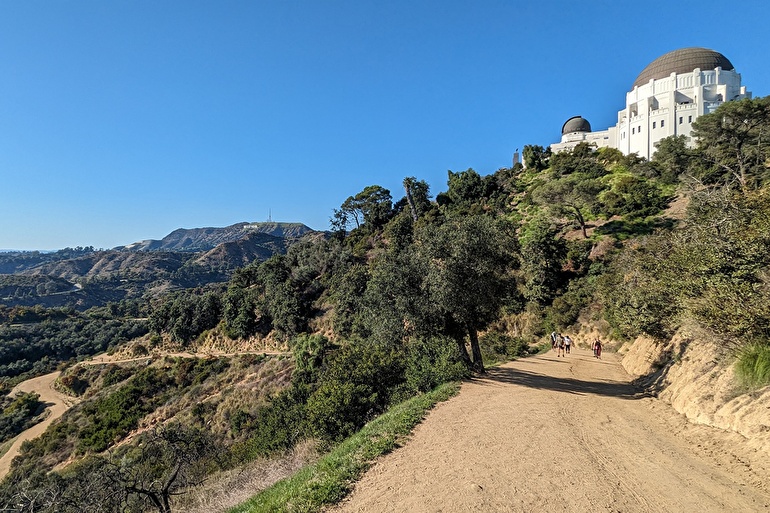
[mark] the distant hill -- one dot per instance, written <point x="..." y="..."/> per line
<point x="204" y="239"/>
<point x="109" y="264"/>
<point x="12" y="262"/>
<point x="84" y="277"/>
<point x="237" y="253"/>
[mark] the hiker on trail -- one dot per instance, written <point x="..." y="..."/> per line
<point x="560" y="343"/>
<point x="567" y="343"/>
<point x="553" y="340"/>
<point x="597" y="345"/>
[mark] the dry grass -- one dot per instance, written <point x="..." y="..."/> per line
<point x="228" y="489"/>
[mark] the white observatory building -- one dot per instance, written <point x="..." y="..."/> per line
<point x="667" y="96"/>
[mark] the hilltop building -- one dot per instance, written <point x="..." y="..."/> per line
<point x="667" y="96"/>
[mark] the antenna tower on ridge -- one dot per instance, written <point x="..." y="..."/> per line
<point x="269" y="216"/>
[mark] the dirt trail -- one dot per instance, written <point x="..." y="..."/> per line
<point x="56" y="404"/>
<point x="562" y="434"/>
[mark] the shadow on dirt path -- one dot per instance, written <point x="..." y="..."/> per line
<point x="525" y="378"/>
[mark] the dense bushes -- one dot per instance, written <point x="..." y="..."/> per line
<point x="431" y="362"/>
<point x="499" y="347"/>
<point x="336" y="391"/>
<point x="112" y="417"/>
<point x="18" y="413"/>
<point x="713" y="270"/>
<point x="39" y="347"/>
<point x="185" y="316"/>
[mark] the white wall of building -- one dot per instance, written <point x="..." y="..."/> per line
<point x="662" y="108"/>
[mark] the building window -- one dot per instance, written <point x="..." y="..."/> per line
<point x="633" y="131"/>
<point x="680" y="120"/>
<point x="662" y="121"/>
<point x="654" y="125"/>
<point x="639" y="129"/>
<point x="689" y="119"/>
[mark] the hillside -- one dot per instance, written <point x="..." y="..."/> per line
<point x="110" y="264"/>
<point x="84" y="277"/>
<point x="204" y="239"/>
<point x="253" y="246"/>
<point x="406" y="294"/>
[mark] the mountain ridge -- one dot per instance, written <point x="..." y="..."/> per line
<point x="207" y="238"/>
<point x="196" y="257"/>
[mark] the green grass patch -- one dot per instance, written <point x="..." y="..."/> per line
<point x="753" y="365"/>
<point x="331" y="478"/>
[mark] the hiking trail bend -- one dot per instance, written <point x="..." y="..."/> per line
<point x="56" y="404"/>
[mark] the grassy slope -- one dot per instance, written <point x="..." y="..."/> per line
<point x="330" y="479"/>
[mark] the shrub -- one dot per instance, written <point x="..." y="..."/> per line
<point x="431" y="362"/>
<point x="501" y="347"/>
<point x="115" y="374"/>
<point x="17" y="414"/>
<point x="276" y="426"/>
<point x="112" y="417"/>
<point x="356" y="385"/>
<point x="753" y="365"/>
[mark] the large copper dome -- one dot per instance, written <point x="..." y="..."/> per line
<point x="684" y="60"/>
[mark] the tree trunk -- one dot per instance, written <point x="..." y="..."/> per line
<point x="581" y="221"/>
<point x="478" y="362"/>
<point x="463" y="352"/>
<point x="410" y="200"/>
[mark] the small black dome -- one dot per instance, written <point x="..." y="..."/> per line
<point x="684" y="60"/>
<point x="576" y="124"/>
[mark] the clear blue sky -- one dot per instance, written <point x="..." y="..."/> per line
<point x="124" y="120"/>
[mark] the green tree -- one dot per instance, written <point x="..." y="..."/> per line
<point x="469" y="276"/>
<point x="372" y="206"/>
<point x="542" y="255"/>
<point x="735" y="139"/>
<point x="574" y="196"/>
<point x="583" y="159"/>
<point x="637" y="292"/>
<point x="674" y="157"/>
<point x="536" y="157"/>
<point x="632" y="196"/>
<point x="465" y="189"/>
<point x="417" y="196"/>
<point x="719" y="262"/>
<point x="395" y="303"/>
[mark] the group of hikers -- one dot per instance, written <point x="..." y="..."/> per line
<point x="562" y="344"/>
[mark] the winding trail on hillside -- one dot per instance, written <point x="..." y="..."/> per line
<point x="56" y="404"/>
<point x="565" y="434"/>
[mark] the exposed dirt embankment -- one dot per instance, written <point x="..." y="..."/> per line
<point x="694" y="373"/>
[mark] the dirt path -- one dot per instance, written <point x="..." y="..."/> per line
<point x="561" y="434"/>
<point x="56" y="404"/>
<point x="106" y="359"/>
